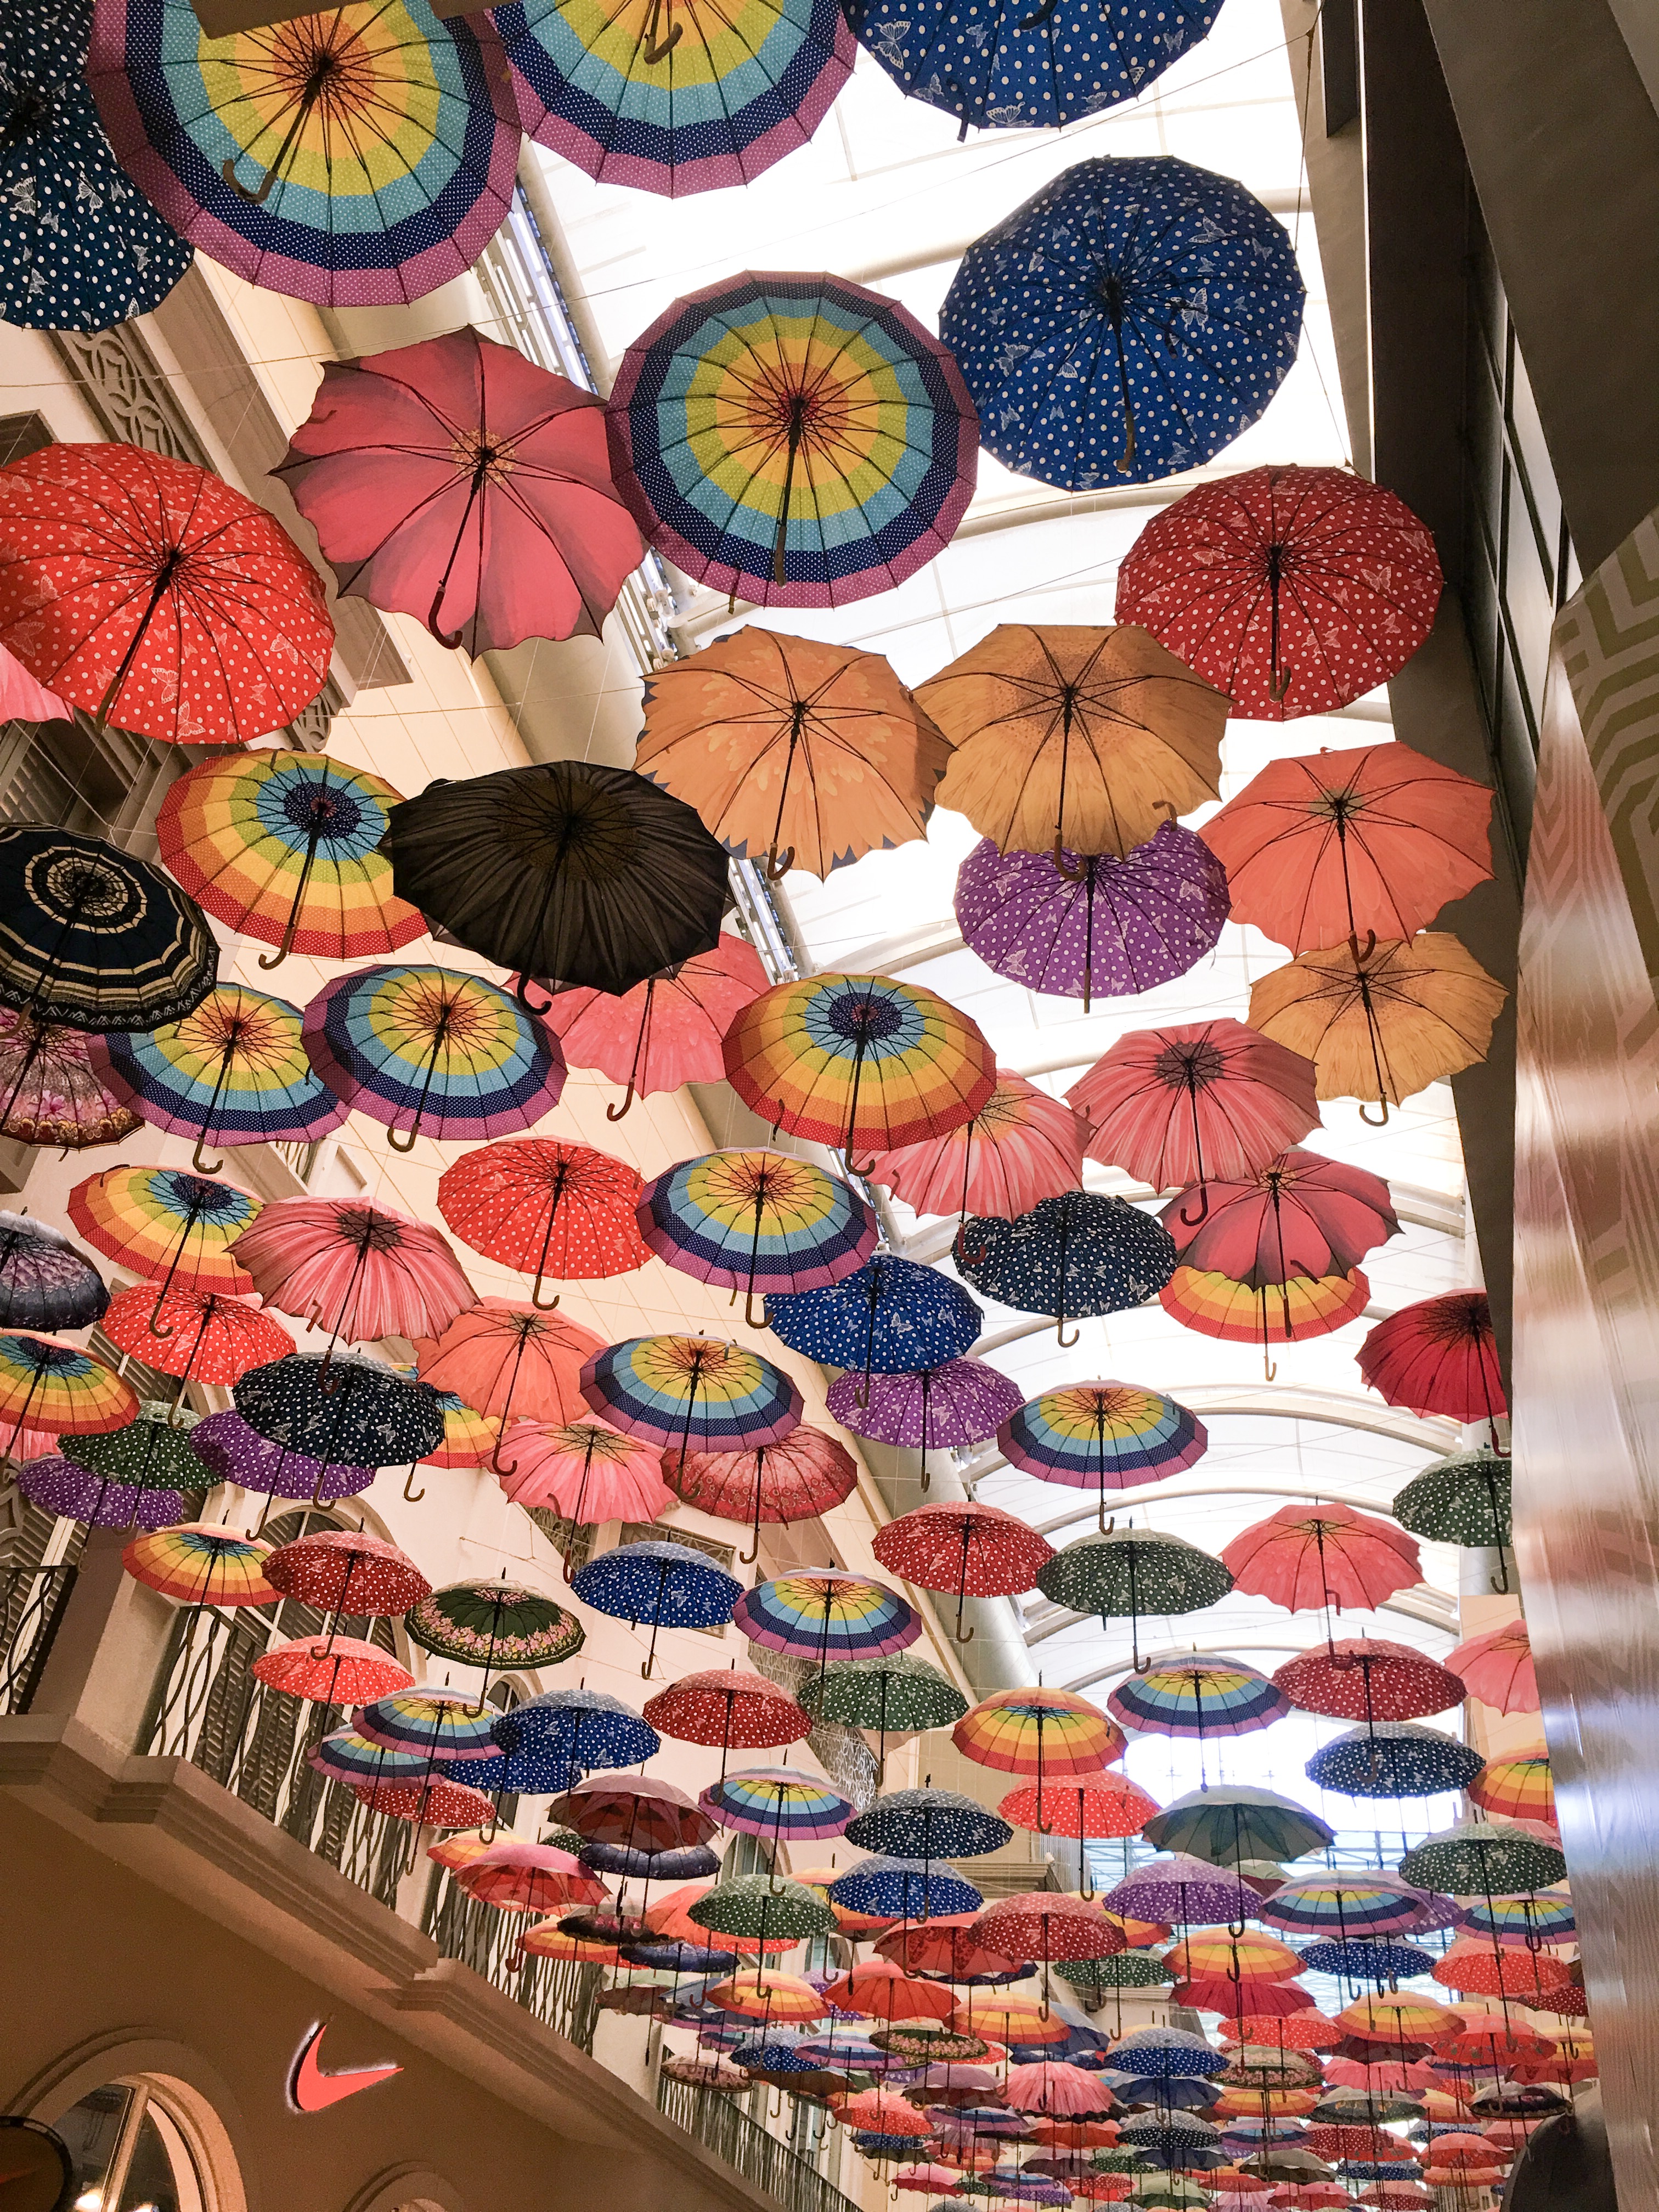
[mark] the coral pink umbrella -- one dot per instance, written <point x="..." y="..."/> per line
<point x="550" y="1209"/>
<point x="1302" y="1214"/>
<point x="929" y="2180"/>
<point x="1195" y="1102"/>
<point x="1042" y="1924"/>
<point x="457" y="482"/>
<point x="528" y="1878"/>
<point x="806" y="1473"/>
<point x="1497" y="1669"/>
<point x="1055" y="2090"/>
<point x="1022" y="1146"/>
<point x="880" y="1989"/>
<point x="432" y="1803"/>
<point x="201" y="1335"/>
<point x="341" y="1670"/>
<point x="1508" y="1971"/>
<point x="1309" y="1556"/>
<point x="499" y="1358"/>
<point x="1439" y="1356"/>
<point x="1082" y="1805"/>
<point x="586" y="1472"/>
<point x="23" y="700"/>
<point x="974" y="1550"/>
<point x="357" y="1269"/>
<point x="883" y="2111"/>
<point x="666" y="1031"/>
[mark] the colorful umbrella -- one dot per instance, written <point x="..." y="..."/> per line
<point x="357" y="1412"/>
<point x="890" y="1316"/>
<point x="1132" y="1571"/>
<point x="659" y="1585"/>
<point x="1347" y="1905"/>
<point x="1292" y="590"/>
<point x="167" y="1224"/>
<point x="1396" y="2017"/>
<point x="731" y="1708"/>
<point x="937" y="1409"/>
<point x="52" y="1080"/>
<point x="585" y="1472"/>
<point x="974" y="1550"/>
<point x="811" y="754"/>
<point x="1232" y="1824"/>
<point x="491" y="1624"/>
<point x="457" y="482"/>
<point x="1382" y="1020"/>
<point x="1188" y="1893"/>
<point x="1102" y="1436"/>
<point x="1182" y="1105"/>
<point x="44" y="1283"/>
<point x="1518" y="1788"/>
<point x="1437" y="1356"/>
<point x="1088" y="925"/>
<point x="1497" y="1669"/>
<point x="683" y="1391"/>
<point x="285" y="847"/>
<point x="897" y="1694"/>
<point x="859" y="1062"/>
<point x="236" y="1452"/>
<point x="794" y="438"/>
<point x="547" y="1207"/>
<point x="345" y="1756"/>
<point x="782" y="1997"/>
<point x="879" y="1988"/>
<point x="357" y="1269"/>
<point x="1043" y="1924"/>
<point x="61" y="1488"/>
<point x="1127" y="322"/>
<point x="61" y="1390"/>
<point x="1197" y="1695"/>
<point x="807" y="1474"/>
<point x="1021" y="1146"/>
<point x="1219" y="1956"/>
<point x="193" y="1333"/>
<point x="1368" y="1679"/>
<point x="929" y="1823"/>
<point x="1306" y="1558"/>
<point x="1511" y="1972"/>
<point x="453" y="1053"/>
<point x="887" y="1888"/>
<point x="1038" y="1732"/>
<point x="653" y="1817"/>
<point x="1108" y="713"/>
<point x="342" y="1670"/>
<point x="756" y="1221"/>
<point x="445" y="1724"/>
<point x="1530" y="1920"/>
<point x="666" y="1031"/>
<point x="823" y="1613"/>
<point x="1290" y="1313"/>
<point x="1071" y="1256"/>
<point x="469" y="1437"/>
<point x="519" y="1877"/>
<point x="359" y="158"/>
<point x="197" y="1563"/>
<point x="347" y="1571"/>
<point x="1464" y="1500"/>
<point x="1366" y="1961"/>
<point x="499" y="1358"/>
<point x="565" y="1732"/>
<point x="1302" y="1215"/>
<point x="778" y="1802"/>
<point x="1394" y="1759"/>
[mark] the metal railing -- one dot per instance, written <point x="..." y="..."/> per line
<point x="722" y="2126"/>
<point x="562" y="1993"/>
<point x="32" y="1601"/>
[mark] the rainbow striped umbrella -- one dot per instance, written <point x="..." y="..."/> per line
<point x="1519" y="1789"/>
<point x="746" y="84"/>
<point x="794" y="438"/>
<point x="469" y="1437"/>
<point x="1102" y="1436"/>
<point x="356" y="158"/>
<point x="858" y="1061"/>
<point x="201" y="1564"/>
<point x="455" y="1056"/>
<point x="1547" y="1918"/>
<point x="346" y="1756"/>
<point x="167" y="1224"/>
<point x="1037" y="1731"/>
<point x="1345" y="1903"/>
<point x="60" y="1390"/>
<point x="692" y="1392"/>
<point x="437" y="1723"/>
<point x="1284" y="1313"/>
<point x="824" y="1613"/>
<point x="285" y="847"/>
<point x="233" y="1071"/>
<point x="779" y="1801"/>
<point x="1197" y="1695"/>
<point x="756" y="1221"/>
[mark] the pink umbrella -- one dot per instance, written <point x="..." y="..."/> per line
<point x="1055" y="2090"/>
<point x="1194" y="1103"/>
<point x="457" y="482"/>
<point x="23" y="700"/>
<point x="1305" y="1557"/>
<point x="1302" y="1214"/>
<point x="585" y="1471"/>
<point x="665" y="1032"/>
<point x="1497" y="1669"/>
<point x="930" y="2180"/>
<point x="358" y="1269"/>
<point x="1020" y="1147"/>
<point x="500" y="1358"/>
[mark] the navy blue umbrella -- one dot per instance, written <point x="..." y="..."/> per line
<point x="904" y="1889"/>
<point x="1172" y="2091"/>
<point x="1359" y="1961"/>
<point x="892" y="1317"/>
<point x="1169" y="2054"/>
<point x="1072" y="1255"/>
<point x="658" y="1585"/>
<point x="1394" y="1759"/>
<point x="1380" y="2169"/>
<point x="691" y="1863"/>
<point x="1127" y="322"/>
<point x="1027" y="63"/>
<point x="774" y="2050"/>
<point x="570" y="1733"/>
<point x="81" y="247"/>
<point x="928" y="1825"/>
<point x="679" y="1958"/>
<point x="534" y="1770"/>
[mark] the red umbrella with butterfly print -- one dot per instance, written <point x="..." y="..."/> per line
<point x="1439" y="1356"/>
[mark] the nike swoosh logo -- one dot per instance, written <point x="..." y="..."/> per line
<point x="311" y="2089"/>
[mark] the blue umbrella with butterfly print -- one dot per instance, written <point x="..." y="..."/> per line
<point x="891" y="1317"/>
<point x="1071" y="1256"/>
<point x="1128" y="322"/>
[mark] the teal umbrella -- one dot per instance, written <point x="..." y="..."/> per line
<point x="1231" y="1824"/>
<point x="1483" y="1858"/>
<point x="1464" y="1500"/>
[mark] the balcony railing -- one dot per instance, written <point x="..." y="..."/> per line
<point x="560" y="1993"/>
<point x="725" y="2128"/>
<point x="32" y="1602"/>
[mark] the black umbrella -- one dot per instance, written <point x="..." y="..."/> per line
<point x="348" y="1409"/>
<point x="94" y="939"/>
<point x="588" y="875"/>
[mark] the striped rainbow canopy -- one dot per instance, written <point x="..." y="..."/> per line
<point x="1284" y="1313"/>
<point x="167" y="1224"/>
<point x="450" y="1055"/>
<point x="285" y="847"/>
<point x="201" y="1564"/>
<point x="675" y="96"/>
<point x="469" y="1437"/>
<point x="824" y="1613"/>
<point x="60" y="1390"/>
<point x="1517" y="1788"/>
<point x="358" y="157"/>
<point x="794" y="438"/>
<point x="692" y="1392"/>
<point x="756" y="1221"/>
<point x="1103" y="1436"/>
<point x="1038" y="1731"/>
<point x="1197" y="1695"/>
<point x="777" y="1800"/>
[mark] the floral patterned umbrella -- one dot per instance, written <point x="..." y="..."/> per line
<point x="44" y="1283"/>
<point x="492" y="1624"/>
<point x="52" y="1087"/>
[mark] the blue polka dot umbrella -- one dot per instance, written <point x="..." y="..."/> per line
<point x="658" y="1585"/>
<point x="1127" y="322"/>
<point x="549" y="1742"/>
<point x="1359" y="1960"/>
<point x="904" y="1889"/>
<point x="1394" y="1759"/>
<point x="892" y="1317"/>
<point x="81" y="247"/>
<point x="1070" y="1257"/>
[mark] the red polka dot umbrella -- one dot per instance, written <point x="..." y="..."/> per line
<point x="346" y="1571"/>
<point x="1082" y="1805"/>
<point x="731" y="1708"/>
<point x="976" y="1550"/>
<point x="1306" y="1557"/>
<point x="1043" y="1924"/>
<point x="804" y="1474"/>
<point x="1306" y="2030"/>
<point x="550" y="1209"/>
<point x="430" y="1803"/>
<point x="1439" y="1356"/>
<point x="883" y="2111"/>
<point x="342" y="1670"/>
<point x="199" y="1334"/>
<point x="1292" y="590"/>
<point x="1366" y="1678"/>
<point x="1499" y="1970"/>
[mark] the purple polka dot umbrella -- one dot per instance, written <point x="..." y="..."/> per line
<point x="57" y="1485"/>
<point x="239" y="1454"/>
<point x="1092" y="925"/>
<point x="960" y="1401"/>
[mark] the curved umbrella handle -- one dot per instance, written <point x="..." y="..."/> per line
<point x="616" y="1113"/>
<point x="1064" y="1341"/>
<point x="542" y="1304"/>
<point x="778" y="864"/>
<point x="1381" y="1120"/>
<point x="1073" y="875"/>
<point x="1193" y="1220"/>
<point x="414" y="1496"/>
<point x="202" y="1166"/>
<point x="521" y="992"/>
<point x="749" y="1311"/>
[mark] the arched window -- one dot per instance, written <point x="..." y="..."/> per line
<point x="131" y="2154"/>
<point x="748" y="1854"/>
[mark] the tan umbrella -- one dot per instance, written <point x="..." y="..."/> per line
<point x="1084" y="739"/>
<point x="1380" y="1020"/>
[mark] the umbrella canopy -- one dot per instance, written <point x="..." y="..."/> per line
<point x="758" y="1221"/>
<point x="1368" y="842"/>
<point x="781" y="1997"/>
<point x="1168" y="2054"/>
<point x="1188" y="1893"/>
<point x="1074" y="740"/>
<point x="879" y="1989"/>
<point x="337" y="1670"/>
<point x="1077" y="1255"/>
<point x="1231" y="1823"/>
<point x="60" y="1390"/>
<point x="974" y="1550"/>
<point x="1395" y="2015"/>
<point x="1081" y="1805"/>
<point x="548" y="1207"/>
<point x="824" y="1613"/>
<point x="1119" y="1572"/>
<point x="494" y="1624"/>
<point x="1439" y="1356"/>
<point x="197" y="1563"/>
<point x="44" y="1283"/>
<point x="936" y="1409"/>
<point x="457" y="482"/>
<point x="1382" y="1021"/>
<point x="53" y="1088"/>
<point x="503" y="1360"/>
<point x="1364" y="1961"/>
<point x="1126" y="323"/>
<point x="1045" y="1732"/>
<point x="1246" y="1959"/>
<point x="565" y="868"/>
<point x="804" y="1475"/>
<point x="731" y="1708"/>
<point x="358" y="1270"/>
<point x="1088" y="925"/>
<point x="890" y="1888"/>
<point x="1042" y="1924"/>
<point x="1345" y="1904"/>
<point x="1292" y="590"/>
<point x="1464" y="1500"/>
<point x="1289" y="1313"/>
<point x="652" y="1818"/>
<point x="201" y="1333"/>
<point x="1302" y="1215"/>
<point x="571" y="1731"/>
<point x="929" y="1823"/>
<point x="1197" y="1695"/>
<point x="1497" y="1668"/>
<point x="809" y="754"/>
<point x="666" y="1031"/>
<point x="762" y="1907"/>
<point x="793" y="438"/>
<point x="1368" y="1679"/>
<point x="236" y="1452"/>
<point x="1519" y="1788"/>
<point x="445" y="1724"/>
<point x="686" y="1391"/>
<point x="896" y="1694"/>
<point x="357" y="1412"/>
<point x="744" y="89"/>
<point x="347" y="1571"/>
<point x="1102" y="1436"/>
<point x="584" y="1470"/>
<point x="1199" y="1101"/>
<point x="285" y="847"/>
<point x="58" y="1486"/>
<point x="1508" y="1972"/>
<point x="858" y="1061"/>
<point x="662" y="1585"/>
<point x="469" y="1437"/>
<point x="779" y="1801"/>
<point x="1394" y="1759"/>
<point x="166" y="1225"/>
<point x="346" y="1756"/>
<point x="451" y="1054"/>
<point x="272" y="149"/>
<point x="1021" y="1146"/>
<point x="1304" y="1557"/>
<point x="520" y="1877"/>
<point x="946" y="1946"/>
<point x="890" y="1316"/>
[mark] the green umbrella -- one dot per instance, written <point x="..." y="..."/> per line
<point x="1115" y="2161"/>
<point x="1230" y="1825"/>
<point x="562" y="1839"/>
<point x="1358" y="2108"/>
<point x="492" y="1624"/>
<point x="1481" y="1858"/>
<point x="763" y="1909"/>
<point x="1298" y="2167"/>
<point x="1464" y="1500"/>
<point x="895" y="1695"/>
<point x="153" y="1452"/>
<point x="1129" y="1572"/>
<point x="1168" y="2189"/>
<point x="1128" y="1970"/>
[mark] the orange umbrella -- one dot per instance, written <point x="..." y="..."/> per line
<point x="774" y="1997"/>
<point x="1396" y="2017"/>
<point x="1085" y="739"/>
<point x="547" y="1940"/>
<point x="1022" y="1146"/>
<point x="503" y="1358"/>
<point x="812" y="754"/>
<point x="881" y="1990"/>
<point x="1249" y="1958"/>
<point x="1082" y="1805"/>
<point x="1383" y="1019"/>
<point x="999" y="2017"/>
